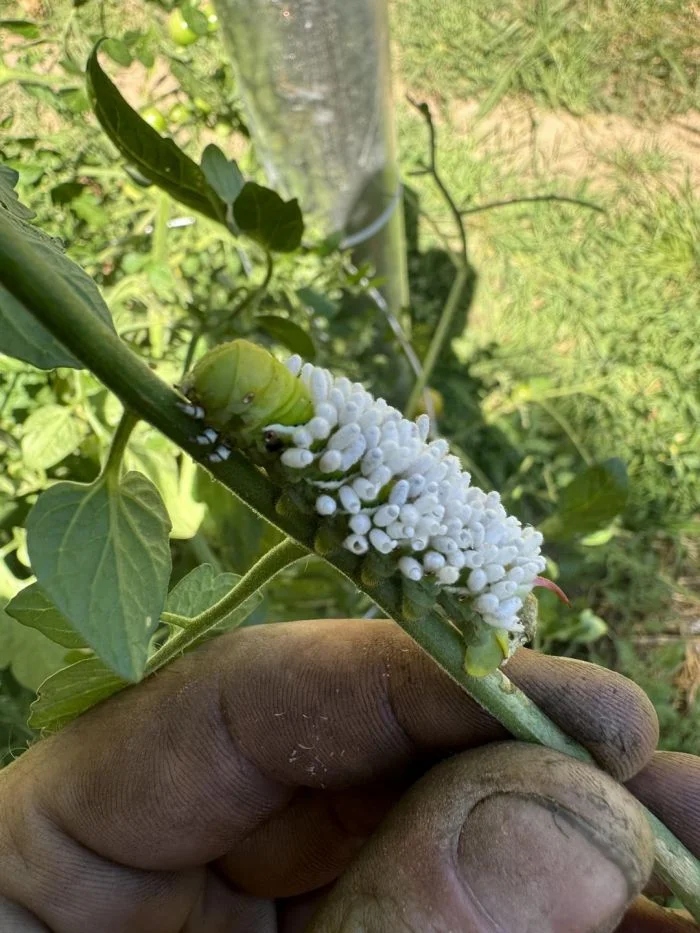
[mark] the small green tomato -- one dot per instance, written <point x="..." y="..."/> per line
<point x="155" y="118"/>
<point x="437" y="400"/>
<point x="212" y="18"/>
<point x="179" y="31"/>
<point x="179" y="114"/>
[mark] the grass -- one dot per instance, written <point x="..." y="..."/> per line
<point x="583" y="331"/>
<point x="636" y="57"/>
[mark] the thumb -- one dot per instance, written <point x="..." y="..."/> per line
<point x="512" y="837"/>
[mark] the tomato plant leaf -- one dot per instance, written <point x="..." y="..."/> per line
<point x="262" y="215"/>
<point x="33" y="608"/>
<point x="590" y="501"/>
<point x="101" y="553"/>
<point x="158" y="158"/>
<point x="201" y="589"/>
<point x="71" y="691"/>
<point x="153" y="454"/>
<point x="287" y="333"/>
<point x="51" y="433"/>
<point x="30" y="655"/>
<point x="225" y="178"/>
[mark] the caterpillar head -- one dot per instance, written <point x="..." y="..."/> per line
<point x="242" y="387"/>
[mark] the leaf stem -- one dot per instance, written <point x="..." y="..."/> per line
<point x="269" y="565"/>
<point x="70" y="318"/>
<point x="112" y="468"/>
<point x="252" y="299"/>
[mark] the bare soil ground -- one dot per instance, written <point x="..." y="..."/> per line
<point x="534" y="139"/>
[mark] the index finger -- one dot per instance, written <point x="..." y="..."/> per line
<point x="173" y="772"/>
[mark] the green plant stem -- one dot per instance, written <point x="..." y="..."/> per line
<point x="113" y="464"/>
<point x="454" y="300"/>
<point x="253" y="297"/>
<point x="71" y="320"/>
<point x="678" y="868"/>
<point x="7" y="75"/>
<point x="269" y="565"/>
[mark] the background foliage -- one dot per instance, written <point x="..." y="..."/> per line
<point x="575" y="346"/>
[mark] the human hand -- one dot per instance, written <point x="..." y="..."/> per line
<point x="232" y="791"/>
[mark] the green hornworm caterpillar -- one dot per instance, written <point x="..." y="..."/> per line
<point x="240" y="388"/>
<point x="373" y="479"/>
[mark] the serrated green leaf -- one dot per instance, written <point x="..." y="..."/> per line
<point x="101" y="553"/>
<point x="287" y="333"/>
<point x="51" y="433"/>
<point x="21" y="335"/>
<point x="203" y="587"/>
<point x="72" y="691"/>
<point x="590" y="501"/>
<point x="262" y="215"/>
<point x="32" y="607"/>
<point x="158" y="158"/>
<point x="30" y="656"/>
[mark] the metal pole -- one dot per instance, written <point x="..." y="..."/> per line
<point x="315" y="80"/>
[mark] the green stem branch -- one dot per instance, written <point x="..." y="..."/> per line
<point x="269" y="565"/>
<point x="252" y="299"/>
<point x="453" y="303"/>
<point x="71" y="320"/>
<point x="113" y="465"/>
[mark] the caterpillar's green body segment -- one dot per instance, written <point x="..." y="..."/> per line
<point x="242" y="388"/>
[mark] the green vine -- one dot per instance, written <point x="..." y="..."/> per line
<point x="269" y="565"/>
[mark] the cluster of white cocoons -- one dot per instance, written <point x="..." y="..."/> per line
<point x="440" y="525"/>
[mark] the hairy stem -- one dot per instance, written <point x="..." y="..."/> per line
<point x="269" y="565"/>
